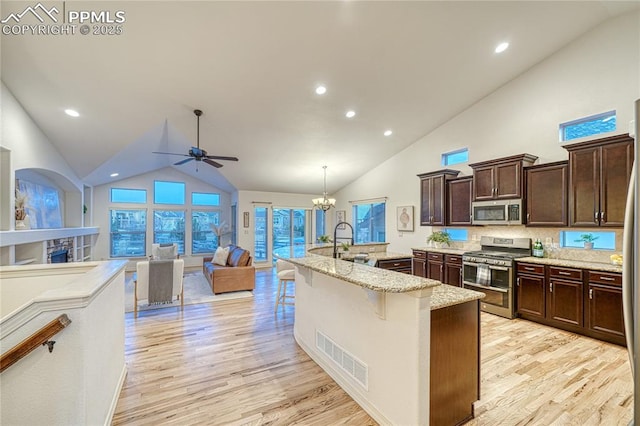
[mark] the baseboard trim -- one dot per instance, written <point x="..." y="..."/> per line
<point x="116" y="396"/>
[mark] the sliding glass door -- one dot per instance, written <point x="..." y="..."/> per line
<point x="261" y="231"/>
<point x="291" y="230"/>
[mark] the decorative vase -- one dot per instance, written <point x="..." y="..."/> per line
<point x="588" y="245"/>
<point x="23" y="224"/>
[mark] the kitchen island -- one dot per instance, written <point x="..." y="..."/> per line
<point x="370" y="330"/>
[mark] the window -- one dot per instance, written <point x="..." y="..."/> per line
<point x="320" y="223"/>
<point x="204" y="240"/>
<point x="168" y="227"/>
<point x="168" y="192"/>
<point x="125" y="195"/>
<point x="128" y="233"/>
<point x="592" y="125"/>
<point x="455" y="157"/>
<point x="42" y="205"/>
<point x="369" y="223"/>
<point x="457" y="234"/>
<point x="603" y="240"/>
<point x="234" y="224"/>
<point x="205" y="199"/>
<point x="261" y="231"/>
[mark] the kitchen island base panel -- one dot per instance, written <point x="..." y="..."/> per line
<point x="394" y="349"/>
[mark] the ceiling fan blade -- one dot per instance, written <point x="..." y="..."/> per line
<point x="212" y="163"/>
<point x="186" y="160"/>
<point x="218" y="157"/>
<point x="170" y="153"/>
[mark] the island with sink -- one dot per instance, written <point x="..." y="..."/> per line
<point x="406" y="348"/>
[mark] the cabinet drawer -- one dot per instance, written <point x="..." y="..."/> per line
<point x="605" y="278"/>
<point x="565" y="273"/>
<point x="530" y="268"/>
<point x="420" y="254"/>
<point x="453" y="259"/>
<point x="438" y="257"/>
<point x="395" y="264"/>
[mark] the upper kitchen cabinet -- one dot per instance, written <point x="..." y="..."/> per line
<point x="433" y="196"/>
<point x="459" y="196"/>
<point x="599" y="173"/>
<point x="501" y="178"/>
<point x="546" y="198"/>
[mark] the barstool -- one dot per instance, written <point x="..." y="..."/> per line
<point x="286" y="273"/>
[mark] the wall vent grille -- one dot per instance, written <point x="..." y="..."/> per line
<point x="346" y="361"/>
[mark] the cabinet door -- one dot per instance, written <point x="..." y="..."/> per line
<point x="547" y="195"/>
<point x="483" y="183"/>
<point x="508" y="180"/>
<point x="453" y="274"/>
<point x="565" y="301"/>
<point x="419" y="267"/>
<point x="435" y="266"/>
<point x="437" y="200"/>
<point x="615" y="166"/>
<point x="426" y="192"/>
<point x="531" y="295"/>
<point x="459" y="196"/>
<point x="584" y="187"/>
<point x="605" y="310"/>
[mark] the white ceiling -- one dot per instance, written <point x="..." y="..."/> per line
<point x="252" y="67"/>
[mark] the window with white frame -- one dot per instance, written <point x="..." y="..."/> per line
<point x="168" y="227"/>
<point x="203" y="238"/>
<point x="369" y="222"/>
<point x="455" y="157"/>
<point x="588" y="126"/>
<point x="169" y="192"/>
<point x="128" y="232"/>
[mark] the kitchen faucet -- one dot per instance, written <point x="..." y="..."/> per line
<point x="335" y="230"/>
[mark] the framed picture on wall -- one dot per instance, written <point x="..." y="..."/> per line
<point x="245" y="219"/>
<point x="404" y="216"/>
<point x="341" y="216"/>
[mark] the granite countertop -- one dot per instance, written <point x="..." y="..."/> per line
<point x="379" y="255"/>
<point x="447" y="295"/>
<point x="445" y="250"/>
<point x="596" y="266"/>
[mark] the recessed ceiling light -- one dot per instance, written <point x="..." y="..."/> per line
<point x="72" y="112"/>
<point x="501" y="47"/>
<point x="350" y="114"/>
<point x="388" y="133"/>
<point x="321" y="90"/>
<point x="114" y="174"/>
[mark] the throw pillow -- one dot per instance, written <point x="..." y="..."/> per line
<point x="220" y="257"/>
<point x="165" y="252"/>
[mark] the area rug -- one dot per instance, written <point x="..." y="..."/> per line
<point x="196" y="290"/>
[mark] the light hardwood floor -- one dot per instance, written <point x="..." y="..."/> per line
<point x="235" y="362"/>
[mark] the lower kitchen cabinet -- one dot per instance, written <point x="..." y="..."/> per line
<point x="419" y="263"/>
<point x="453" y="269"/>
<point x="435" y="266"/>
<point x="604" y="313"/>
<point x="399" y="265"/>
<point x="583" y="301"/>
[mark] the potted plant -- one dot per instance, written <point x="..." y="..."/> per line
<point x="324" y="239"/>
<point x="345" y="246"/>
<point x="439" y="238"/>
<point x="588" y="240"/>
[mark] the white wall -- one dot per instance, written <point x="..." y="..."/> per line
<point x="596" y="73"/>
<point x="28" y="148"/>
<point x="102" y="204"/>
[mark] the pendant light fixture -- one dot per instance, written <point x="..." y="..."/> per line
<point x="324" y="203"/>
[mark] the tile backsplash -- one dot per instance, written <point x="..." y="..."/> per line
<point x="545" y="235"/>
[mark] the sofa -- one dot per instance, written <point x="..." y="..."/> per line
<point x="238" y="273"/>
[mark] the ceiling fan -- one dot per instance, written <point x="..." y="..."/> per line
<point x="195" y="153"/>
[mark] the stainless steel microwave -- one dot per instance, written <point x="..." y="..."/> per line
<point x="497" y="212"/>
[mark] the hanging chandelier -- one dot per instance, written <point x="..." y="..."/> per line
<point x="324" y="203"/>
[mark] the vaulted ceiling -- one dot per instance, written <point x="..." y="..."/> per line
<point x="253" y="68"/>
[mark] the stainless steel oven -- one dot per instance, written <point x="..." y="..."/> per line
<point x="491" y="271"/>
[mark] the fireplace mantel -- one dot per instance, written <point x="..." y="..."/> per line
<point x="12" y="238"/>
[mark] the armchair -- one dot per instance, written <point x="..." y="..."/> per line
<point x="158" y="281"/>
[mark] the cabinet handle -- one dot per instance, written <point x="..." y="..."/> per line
<point x="590" y="293"/>
<point x="551" y="287"/>
<point x="595" y="216"/>
<point x="563" y="273"/>
<point x="529" y="269"/>
<point x="602" y="216"/>
<point x="607" y="279"/>
<point x="528" y="216"/>
<point x="396" y="264"/>
<point x="518" y="282"/>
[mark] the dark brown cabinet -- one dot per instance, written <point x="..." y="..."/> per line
<point x="399" y="265"/>
<point x="433" y="196"/>
<point x="501" y="178"/>
<point x="599" y="173"/>
<point x="419" y="263"/>
<point x="435" y="266"/>
<point x="582" y="301"/>
<point x="453" y="270"/>
<point x="459" y="197"/>
<point x="604" y="316"/>
<point x="546" y="198"/>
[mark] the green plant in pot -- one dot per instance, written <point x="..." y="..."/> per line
<point x="345" y="246"/>
<point x="324" y="239"/>
<point x="587" y="239"/>
<point x="439" y="238"/>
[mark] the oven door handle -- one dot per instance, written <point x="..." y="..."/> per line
<point x="464" y="263"/>
<point x="498" y="268"/>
